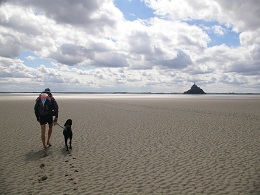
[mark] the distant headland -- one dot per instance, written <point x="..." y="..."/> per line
<point x="195" y="90"/>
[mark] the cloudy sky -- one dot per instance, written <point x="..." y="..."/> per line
<point x="130" y="45"/>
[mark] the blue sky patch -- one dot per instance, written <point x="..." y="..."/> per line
<point x="134" y="9"/>
<point x="218" y="33"/>
<point x="32" y="60"/>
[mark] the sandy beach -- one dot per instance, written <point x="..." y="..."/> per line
<point x="133" y="144"/>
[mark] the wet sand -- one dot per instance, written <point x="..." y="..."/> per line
<point x="134" y="144"/>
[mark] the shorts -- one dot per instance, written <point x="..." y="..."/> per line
<point x="46" y="119"/>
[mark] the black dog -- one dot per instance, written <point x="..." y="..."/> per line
<point x="67" y="132"/>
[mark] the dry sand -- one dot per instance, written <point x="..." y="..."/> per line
<point x="134" y="145"/>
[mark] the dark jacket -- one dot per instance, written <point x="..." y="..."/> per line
<point x="54" y="111"/>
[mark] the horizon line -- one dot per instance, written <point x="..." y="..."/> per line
<point x="76" y="92"/>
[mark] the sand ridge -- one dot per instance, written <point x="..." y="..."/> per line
<point x="134" y="146"/>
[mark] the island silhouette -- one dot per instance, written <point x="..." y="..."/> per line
<point x="195" y="90"/>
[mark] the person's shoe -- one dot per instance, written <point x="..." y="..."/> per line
<point x="49" y="145"/>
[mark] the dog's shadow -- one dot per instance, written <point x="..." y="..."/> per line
<point x="65" y="152"/>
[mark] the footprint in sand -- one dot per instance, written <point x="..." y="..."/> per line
<point x="41" y="174"/>
<point x="43" y="178"/>
<point x="42" y="165"/>
<point x="71" y="175"/>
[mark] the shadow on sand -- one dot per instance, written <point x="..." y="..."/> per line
<point x="65" y="152"/>
<point x="36" y="155"/>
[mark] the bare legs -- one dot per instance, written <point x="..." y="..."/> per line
<point x="43" y="128"/>
<point x="49" y="134"/>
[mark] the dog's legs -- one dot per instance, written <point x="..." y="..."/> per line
<point x="71" y="139"/>
<point x="66" y="140"/>
<point x="70" y="144"/>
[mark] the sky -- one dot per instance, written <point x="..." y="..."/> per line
<point x="159" y="46"/>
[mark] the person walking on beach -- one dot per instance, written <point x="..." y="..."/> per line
<point x="45" y="108"/>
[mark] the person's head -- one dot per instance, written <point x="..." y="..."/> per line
<point x="47" y="90"/>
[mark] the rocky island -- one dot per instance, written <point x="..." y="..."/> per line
<point x="195" y="90"/>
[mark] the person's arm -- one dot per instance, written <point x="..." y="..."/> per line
<point x="55" y="108"/>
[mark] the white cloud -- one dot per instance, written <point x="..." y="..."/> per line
<point x="31" y="58"/>
<point x="218" y="30"/>
<point x="243" y="15"/>
<point x="14" y="68"/>
<point x="248" y="38"/>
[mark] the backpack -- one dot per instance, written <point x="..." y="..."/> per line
<point x="44" y="105"/>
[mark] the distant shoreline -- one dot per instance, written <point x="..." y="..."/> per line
<point x="174" y="93"/>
